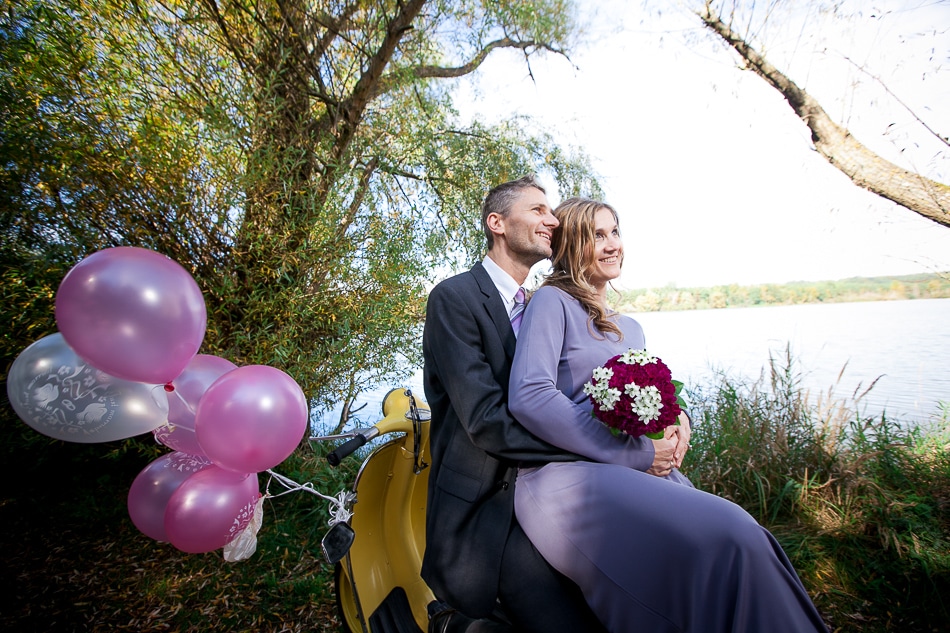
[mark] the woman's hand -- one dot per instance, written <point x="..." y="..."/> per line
<point x="683" y="433"/>
<point x="663" y="453"/>
<point x="669" y="452"/>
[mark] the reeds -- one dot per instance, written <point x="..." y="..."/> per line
<point x="860" y="504"/>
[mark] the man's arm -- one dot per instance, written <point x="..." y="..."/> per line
<point x="455" y="348"/>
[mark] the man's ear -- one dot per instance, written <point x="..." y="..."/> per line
<point x="495" y="223"/>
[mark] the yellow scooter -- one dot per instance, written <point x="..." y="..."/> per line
<point x="378" y="552"/>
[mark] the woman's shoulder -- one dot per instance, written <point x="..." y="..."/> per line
<point x="552" y="294"/>
<point x="551" y="298"/>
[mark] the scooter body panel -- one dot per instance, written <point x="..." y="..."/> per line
<point x="389" y="522"/>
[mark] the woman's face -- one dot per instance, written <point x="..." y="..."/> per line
<point x="608" y="249"/>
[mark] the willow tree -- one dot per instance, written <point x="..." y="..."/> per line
<point x="303" y="159"/>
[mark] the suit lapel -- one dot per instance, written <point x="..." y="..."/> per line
<point x="495" y="308"/>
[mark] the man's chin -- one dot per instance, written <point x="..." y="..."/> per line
<point x="540" y="256"/>
<point x="532" y="256"/>
<point x="544" y="251"/>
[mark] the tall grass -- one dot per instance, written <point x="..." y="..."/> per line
<point x="860" y="504"/>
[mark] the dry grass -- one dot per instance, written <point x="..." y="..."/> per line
<point x="861" y="505"/>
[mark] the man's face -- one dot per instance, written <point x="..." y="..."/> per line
<point x="528" y="227"/>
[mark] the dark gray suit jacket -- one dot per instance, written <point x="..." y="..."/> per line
<point x="468" y="346"/>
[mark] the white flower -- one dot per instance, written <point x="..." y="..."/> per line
<point x="607" y="399"/>
<point x="637" y="357"/>
<point x="647" y="401"/>
<point x="602" y="394"/>
<point x="603" y="374"/>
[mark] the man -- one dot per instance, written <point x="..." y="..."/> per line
<point x="476" y="554"/>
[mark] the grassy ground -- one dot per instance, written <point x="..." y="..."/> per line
<point x="73" y="561"/>
<point x="861" y="506"/>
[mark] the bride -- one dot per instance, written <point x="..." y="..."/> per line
<point x="650" y="552"/>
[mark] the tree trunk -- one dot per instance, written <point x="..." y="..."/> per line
<point x="911" y="190"/>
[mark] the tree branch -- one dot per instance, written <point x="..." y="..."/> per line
<point x="938" y="136"/>
<point x="475" y="62"/>
<point x="924" y="196"/>
<point x="215" y="11"/>
<point x="345" y="118"/>
<point x="448" y="72"/>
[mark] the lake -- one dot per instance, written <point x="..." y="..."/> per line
<point x="903" y="344"/>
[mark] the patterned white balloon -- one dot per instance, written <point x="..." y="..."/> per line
<point x="58" y="394"/>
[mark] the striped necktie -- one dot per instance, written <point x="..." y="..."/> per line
<point x="517" y="311"/>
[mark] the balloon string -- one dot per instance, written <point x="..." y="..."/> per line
<point x="339" y="505"/>
<point x="160" y="397"/>
<point x="181" y="398"/>
<point x="167" y="391"/>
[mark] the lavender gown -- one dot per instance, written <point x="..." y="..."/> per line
<point x="650" y="554"/>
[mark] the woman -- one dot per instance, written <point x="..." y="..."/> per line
<point x="650" y="552"/>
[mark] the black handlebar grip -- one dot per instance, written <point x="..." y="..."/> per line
<point x="345" y="449"/>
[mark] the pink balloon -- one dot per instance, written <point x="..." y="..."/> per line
<point x="186" y="391"/>
<point x="132" y="313"/>
<point x="178" y="438"/>
<point x="210" y="509"/>
<point x="251" y="418"/>
<point x="154" y="486"/>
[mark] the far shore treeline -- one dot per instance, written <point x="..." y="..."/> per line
<point x="918" y="286"/>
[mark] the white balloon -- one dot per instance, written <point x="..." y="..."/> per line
<point x="60" y="395"/>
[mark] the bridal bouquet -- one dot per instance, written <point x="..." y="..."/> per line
<point x="635" y="393"/>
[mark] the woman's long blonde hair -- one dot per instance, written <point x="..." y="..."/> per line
<point x="573" y="257"/>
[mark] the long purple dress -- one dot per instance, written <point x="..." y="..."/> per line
<point x="650" y="554"/>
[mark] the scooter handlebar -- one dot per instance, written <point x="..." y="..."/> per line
<point x="348" y="447"/>
<point x="345" y="449"/>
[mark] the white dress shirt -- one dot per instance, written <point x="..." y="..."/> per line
<point x="505" y="283"/>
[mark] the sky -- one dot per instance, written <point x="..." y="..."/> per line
<point x="713" y="175"/>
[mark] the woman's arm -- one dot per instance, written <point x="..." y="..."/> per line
<point x="536" y="402"/>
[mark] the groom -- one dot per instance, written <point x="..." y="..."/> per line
<point x="476" y="554"/>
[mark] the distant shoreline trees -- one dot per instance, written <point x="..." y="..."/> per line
<point x="918" y="286"/>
